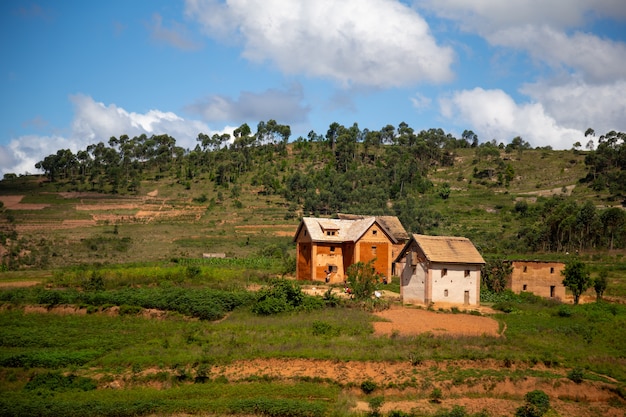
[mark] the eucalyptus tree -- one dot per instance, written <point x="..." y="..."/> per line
<point x="614" y="225"/>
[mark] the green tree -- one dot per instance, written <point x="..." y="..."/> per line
<point x="577" y="278"/>
<point x="495" y="274"/>
<point x="613" y="221"/>
<point x="600" y="283"/>
<point x="363" y="280"/>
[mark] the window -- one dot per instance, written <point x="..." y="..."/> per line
<point x="330" y="233"/>
<point x="445" y="293"/>
<point x="305" y="233"/>
<point x="467" y="273"/>
<point x="374" y="250"/>
<point x="525" y="268"/>
<point x="552" y="270"/>
<point x="332" y="249"/>
<point x="524" y="287"/>
<point x="332" y="268"/>
<point x="444" y="272"/>
<point x="374" y="232"/>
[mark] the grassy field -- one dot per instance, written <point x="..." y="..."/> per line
<point x="133" y="363"/>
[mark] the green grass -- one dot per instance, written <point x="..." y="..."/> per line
<point x="182" y="349"/>
<point x="594" y="335"/>
<point x="299" y="399"/>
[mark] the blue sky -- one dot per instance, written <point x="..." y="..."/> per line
<point x="77" y="72"/>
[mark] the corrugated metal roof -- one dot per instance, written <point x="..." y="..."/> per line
<point x="449" y="249"/>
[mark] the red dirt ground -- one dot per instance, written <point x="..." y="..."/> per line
<point x="412" y="321"/>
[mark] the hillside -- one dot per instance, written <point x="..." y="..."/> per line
<point x="249" y="197"/>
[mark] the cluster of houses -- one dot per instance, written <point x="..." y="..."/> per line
<point x="432" y="269"/>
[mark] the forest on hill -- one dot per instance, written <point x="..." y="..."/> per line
<point x="434" y="182"/>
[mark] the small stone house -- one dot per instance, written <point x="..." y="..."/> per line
<point x="440" y="269"/>
<point x="542" y="278"/>
<point x="325" y="248"/>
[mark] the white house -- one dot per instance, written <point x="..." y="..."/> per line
<point x="439" y="269"/>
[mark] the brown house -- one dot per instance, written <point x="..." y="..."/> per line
<point x="440" y="269"/>
<point x="542" y="278"/>
<point x="325" y="248"/>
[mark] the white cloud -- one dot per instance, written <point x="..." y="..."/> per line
<point x="379" y="43"/>
<point x="95" y="122"/>
<point x="596" y="59"/>
<point x="21" y="154"/>
<point x="281" y="105"/>
<point x="493" y="114"/>
<point x="580" y="105"/>
<point x="541" y="28"/>
<point x="420" y="101"/>
<point x="488" y="16"/>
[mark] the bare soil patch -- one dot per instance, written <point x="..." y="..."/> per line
<point x="412" y="321"/>
<point x="19" y="284"/>
<point x="13" y="202"/>
<point x="499" y="396"/>
<point x="275" y="229"/>
<point x="554" y="191"/>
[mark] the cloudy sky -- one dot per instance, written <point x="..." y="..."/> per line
<point x="77" y="72"/>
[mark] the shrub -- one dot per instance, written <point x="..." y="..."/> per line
<point x="127" y="310"/>
<point x="277" y="408"/>
<point x="280" y="296"/>
<point x="55" y="381"/>
<point x="321" y="328"/>
<point x="375" y="404"/>
<point x="537" y="404"/>
<point x="330" y="299"/>
<point x="368" y="386"/>
<point x="576" y="375"/>
<point x="564" y="311"/>
<point x="505" y="307"/>
<point x="436" y="396"/>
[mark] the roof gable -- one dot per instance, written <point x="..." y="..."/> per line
<point x="390" y="224"/>
<point x="339" y="230"/>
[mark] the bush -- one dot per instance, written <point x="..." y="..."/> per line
<point x="126" y="310"/>
<point x="436" y="396"/>
<point x="576" y="375"/>
<point x="375" y="404"/>
<point x="537" y="404"/>
<point x="321" y="328"/>
<point x="280" y="296"/>
<point x="277" y="408"/>
<point x="55" y="381"/>
<point x="505" y="307"/>
<point x="564" y="311"/>
<point x="368" y="386"/>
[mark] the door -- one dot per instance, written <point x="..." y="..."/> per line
<point x="467" y="298"/>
